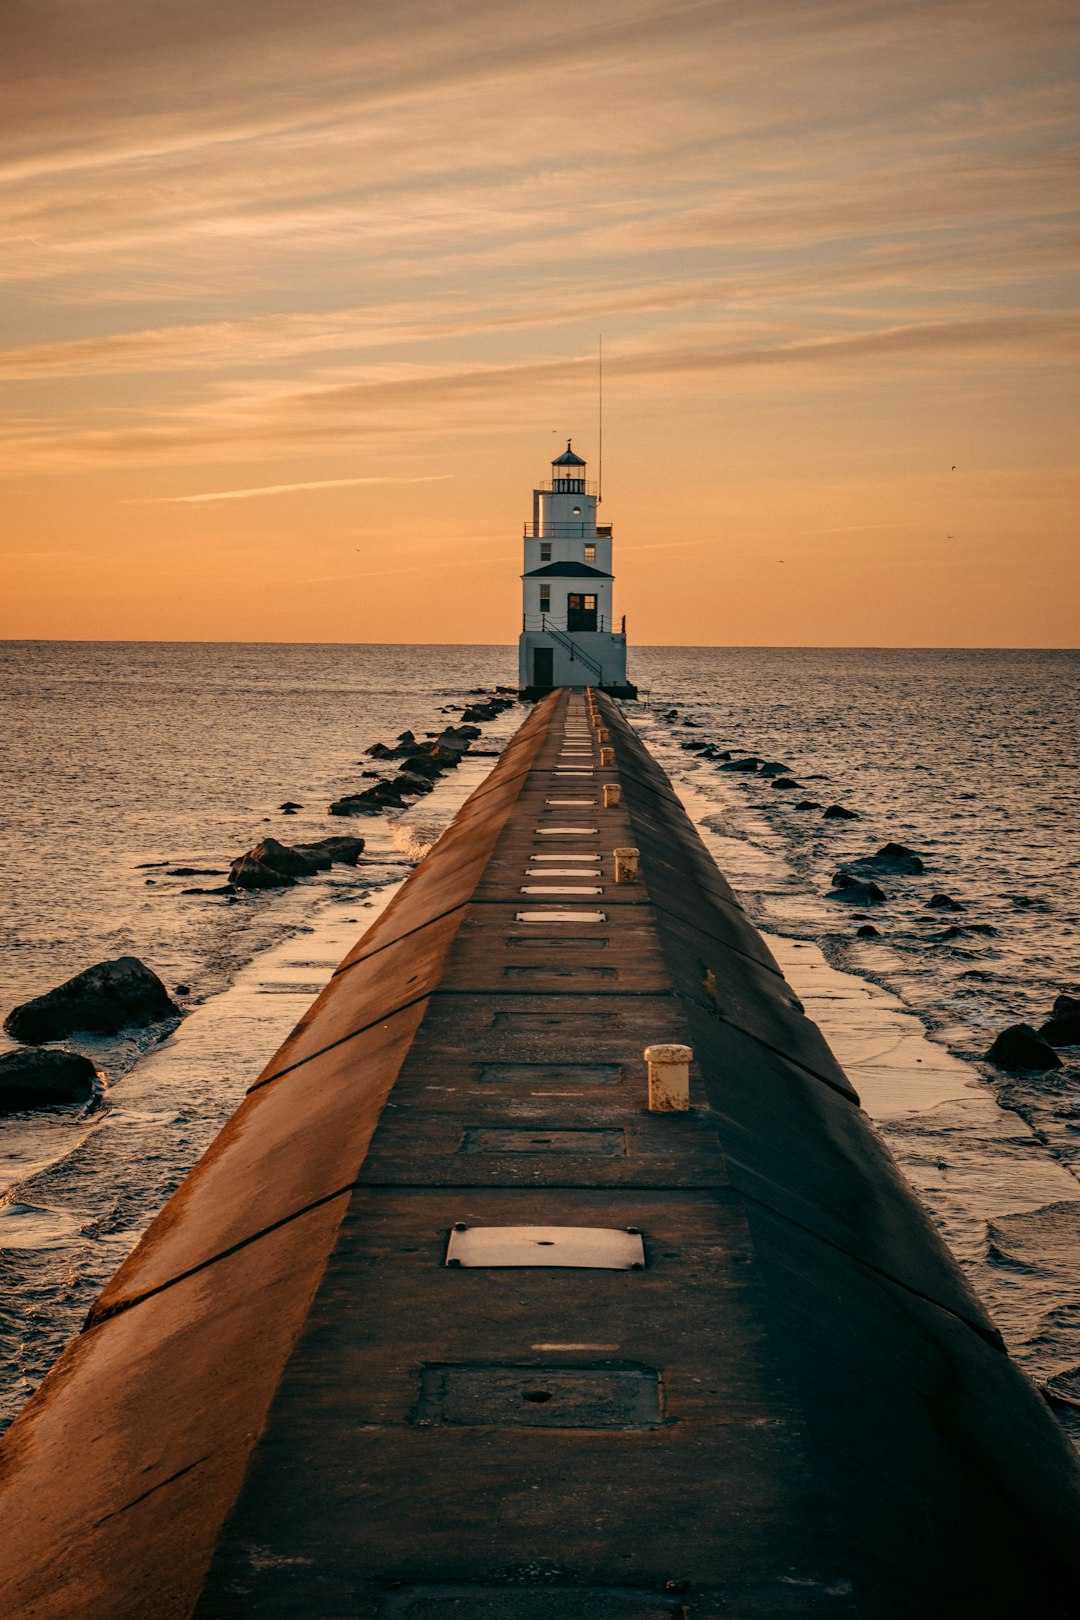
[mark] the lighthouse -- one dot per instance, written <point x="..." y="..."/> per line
<point x="569" y="636"/>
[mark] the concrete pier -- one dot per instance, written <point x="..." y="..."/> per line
<point x="449" y="1325"/>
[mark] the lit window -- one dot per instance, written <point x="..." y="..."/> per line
<point x="590" y="553"/>
<point x="545" y="551"/>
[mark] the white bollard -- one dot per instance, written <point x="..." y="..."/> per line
<point x="626" y="865"/>
<point x="669" y="1078"/>
<point x="607" y="758"/>
<point x="612" y="795"/>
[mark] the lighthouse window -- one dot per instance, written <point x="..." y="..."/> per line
<point x="545" y="599"/>
<point x="545" y="551"/>
<point x="590" y="553"/>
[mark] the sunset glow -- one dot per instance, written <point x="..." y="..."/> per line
<point x="300" y="301"/>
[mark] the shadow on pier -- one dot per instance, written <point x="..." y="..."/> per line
<point x="447" y="1325"/>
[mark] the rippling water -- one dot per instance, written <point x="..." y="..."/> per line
<point x="123" y="755"/>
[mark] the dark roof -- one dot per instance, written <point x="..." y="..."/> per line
<point x="566" y="570"/>
<point x="568" y="458"/>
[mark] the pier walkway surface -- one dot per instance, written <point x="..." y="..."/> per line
<point x="447" y="1325"/>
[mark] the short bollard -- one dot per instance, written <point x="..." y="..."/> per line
<point x="626" y="865"/>
<point x="607" y="757"/>
<point x="612" y="795"/>
<point x="669" y="1078"/>
<point x="602" y="734"/>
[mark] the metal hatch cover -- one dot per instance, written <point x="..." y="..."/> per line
<point x="597" y="1248"/>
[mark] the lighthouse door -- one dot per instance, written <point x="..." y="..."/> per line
<point x="581" y="612"/>
<point x="543" y="666"/>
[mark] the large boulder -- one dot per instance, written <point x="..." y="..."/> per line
<point x="784" y="782"/>
<point x="422" y="765"/>
<point x="248" y="872"/>
<point x="102" y="1000"/>
<point x="772" y="768"/>
<point x="338" y="851"/>
<point x="1021" y="1047"/>
<point x="749" y="764"/>
<point x="839" y="812"/>
<point x="1064" y="1026"/>
<point x="410" y="782"/>
<point x="287" y="859"/>
<point x="372" y="802"/>
<point x="44" y="1079"/>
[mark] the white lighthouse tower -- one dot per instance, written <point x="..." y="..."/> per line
<point x="568" y="634"/>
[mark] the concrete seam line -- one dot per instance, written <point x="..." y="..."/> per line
<point x="848" y="1092"/>
<point x="384" y="1017"/>
<point x="429" y="922"/>
<point x="992" y="1337"/>
<point x="679" y="917"/>
<point x="95" y="1321"/>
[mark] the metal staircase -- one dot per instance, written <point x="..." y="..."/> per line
<point x="575" y="651"/>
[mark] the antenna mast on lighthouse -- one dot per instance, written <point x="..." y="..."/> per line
<point x="600" y="419"/>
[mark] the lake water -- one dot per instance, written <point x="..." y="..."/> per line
<point x="124" y="760"/>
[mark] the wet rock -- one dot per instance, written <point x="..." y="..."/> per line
<point x="148" y="866"/>
<point x="290" y="807"/>
<point x="406" y="737"/>
<point x="1021" y="1047"/>
<point x="808" y="804"/>
<point x="294" y="860"/>
<point x="693" y="745"/>
<point x="410" y="782"/>
<point x="839" y="812"/>
<point x="102" y="1000"/>
<point x="895" y="858"/>
<point x="689" y="722"/>
<point x="771" y="768"/>
<point x="339" y="851"/>
<point x="480" y="711"/>
<point x="37" y="1079"/>
<point x="380" y="751"/>
<point x="372" y="802"/>
<point x="226" y="889"/>
<point x="423" y="765"/>
<point x="855" y="890"/>
<point x="868" y="931"/>
<point x="193" y="871"/>
<point x="1063" y="1028"/>
<point x="785" y="782"/>
<point x="723" y="753"/>
<point x="943" y="902"/>
<point x="750" y="763"/>
<point x="250" y="873"/>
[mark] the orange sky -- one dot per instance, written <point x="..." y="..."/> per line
<point x="831" y="246"/>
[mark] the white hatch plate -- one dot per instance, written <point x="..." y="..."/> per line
<point x="566" y="855"/>
<point x="561" y="832"/>
<point x="561" y="916"/>
<point x="563" y="871"/>
<point x="599" y="1248"/>
<point x="564" y="889"/>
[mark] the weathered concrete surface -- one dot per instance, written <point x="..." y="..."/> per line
<point x="287" y="1404"/>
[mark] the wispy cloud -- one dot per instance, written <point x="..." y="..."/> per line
<point x="277" y="489"/>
